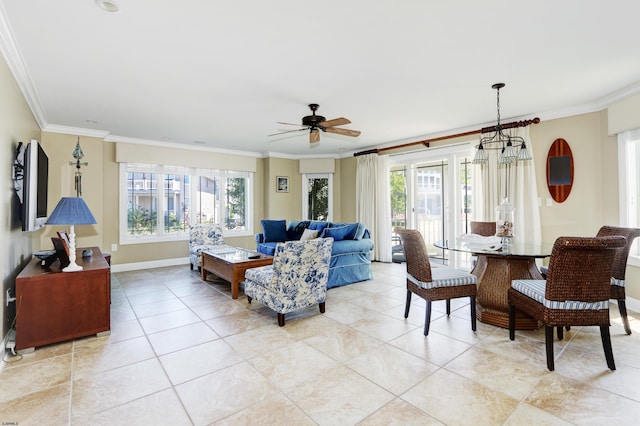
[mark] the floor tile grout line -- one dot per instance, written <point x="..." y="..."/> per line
<point x="166" y="374"/>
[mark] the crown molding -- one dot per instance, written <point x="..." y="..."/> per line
<point x="79" y="131"/>
<point x="150" y="142"/>
<point x="19" y="70"/>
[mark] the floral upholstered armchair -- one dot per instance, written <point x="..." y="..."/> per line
<point x="203" y="236"/>
<point x="296" y="279"/>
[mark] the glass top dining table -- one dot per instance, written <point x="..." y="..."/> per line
<point x="496" y="267"/>
<point x="515" y="247"/>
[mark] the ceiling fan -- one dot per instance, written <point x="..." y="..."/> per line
<point x="314" y="123"/>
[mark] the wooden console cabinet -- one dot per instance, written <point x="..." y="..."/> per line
<point x="54" y="306"/>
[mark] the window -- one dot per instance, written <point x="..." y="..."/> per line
<point x="175" y="204"/>
<point x="431" y="191"/>
<point x="317" y="196"/>
<point x="398" y="189"/>
<point x="235" y="207"/>
<point x="160" y="203"/>
<point x="142" y="204"/>
<point x="629" y="181"/>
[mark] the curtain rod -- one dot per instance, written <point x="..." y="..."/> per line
<point x="425" y="142"/>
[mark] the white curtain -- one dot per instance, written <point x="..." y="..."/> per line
<point x="373" y="204"/>
<point x="517" y="182"/>
<point x="382" y="240"/>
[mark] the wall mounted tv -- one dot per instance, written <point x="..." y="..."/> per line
<point x="35" y="187"/>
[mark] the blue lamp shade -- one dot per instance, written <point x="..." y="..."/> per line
<point x="71" y="211"/>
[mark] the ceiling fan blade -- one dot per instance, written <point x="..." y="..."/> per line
<point x="289" y="124"/>
<point x="314" y="136"/>
<point x="345" y="132"/>
<point x="287" y="131"/>
<point x="335" y="122"/>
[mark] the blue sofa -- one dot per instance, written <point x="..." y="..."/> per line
<point x="350" y="255"/>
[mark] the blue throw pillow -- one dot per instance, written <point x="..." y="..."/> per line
<point x="356" y="230"/>
<point x="275" y="231"/>
<point x="296" y="228"/>
<point x="318" y="226"/>
<point x="338" y="234"/>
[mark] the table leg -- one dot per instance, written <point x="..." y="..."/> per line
<point x="494" y="280"/>
<point x="237" y="275"/>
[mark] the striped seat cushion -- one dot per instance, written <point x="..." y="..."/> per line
<point x="535" y="289"/>
<point x="615" y="281"/>
<point x="445" y="277"/>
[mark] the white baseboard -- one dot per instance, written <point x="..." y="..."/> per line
<point x="124" y="267"/>
<point x="10" y="336"/>
<point x="632" y="304"/>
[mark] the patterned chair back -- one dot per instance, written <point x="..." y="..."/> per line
<point x="205" y="234"/>
<point x="302" y="266"/>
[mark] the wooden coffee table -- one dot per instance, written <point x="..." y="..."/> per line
<point x="230" y="263"/>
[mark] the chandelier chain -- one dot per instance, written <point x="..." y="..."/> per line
<point x="499" y="128"/>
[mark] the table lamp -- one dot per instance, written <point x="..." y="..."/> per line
<point x="71" y="211"/>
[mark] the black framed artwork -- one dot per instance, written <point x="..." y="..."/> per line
<point x="282" y="184"/>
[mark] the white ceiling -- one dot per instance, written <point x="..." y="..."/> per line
<point x="224" y="72"/>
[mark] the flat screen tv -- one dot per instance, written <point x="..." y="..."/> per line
<point x="35" y="187"/>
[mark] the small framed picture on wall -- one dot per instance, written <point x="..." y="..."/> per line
<point x="282" y="184"/>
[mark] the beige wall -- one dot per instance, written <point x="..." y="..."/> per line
<point x="16" y="124"/>
<point x="279" y="205"/>
<point x="59" y="148"/>
<point x="583" y="211"/>
<point x="594" y="198"/>
<point x="345" y="191"/>
<point x="282" y="205"/>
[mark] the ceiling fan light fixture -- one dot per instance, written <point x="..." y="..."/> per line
<point x="314" y="135"/>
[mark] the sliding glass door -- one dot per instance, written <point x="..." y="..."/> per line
<point x="431" y="203"/>
<point x="431" y="191"/>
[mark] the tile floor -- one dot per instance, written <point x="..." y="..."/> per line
<point x="182" y="352"/>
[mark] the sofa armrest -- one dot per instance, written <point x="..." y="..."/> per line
<point x="259" y="239"/>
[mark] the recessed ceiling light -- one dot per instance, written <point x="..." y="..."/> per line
<point x="91" y="121"/>
<point x="107" y="5"/>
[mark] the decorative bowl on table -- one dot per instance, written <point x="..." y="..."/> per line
<point x="42" y="255"/>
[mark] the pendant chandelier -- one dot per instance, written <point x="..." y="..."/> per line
<point x="506" y="144"/>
